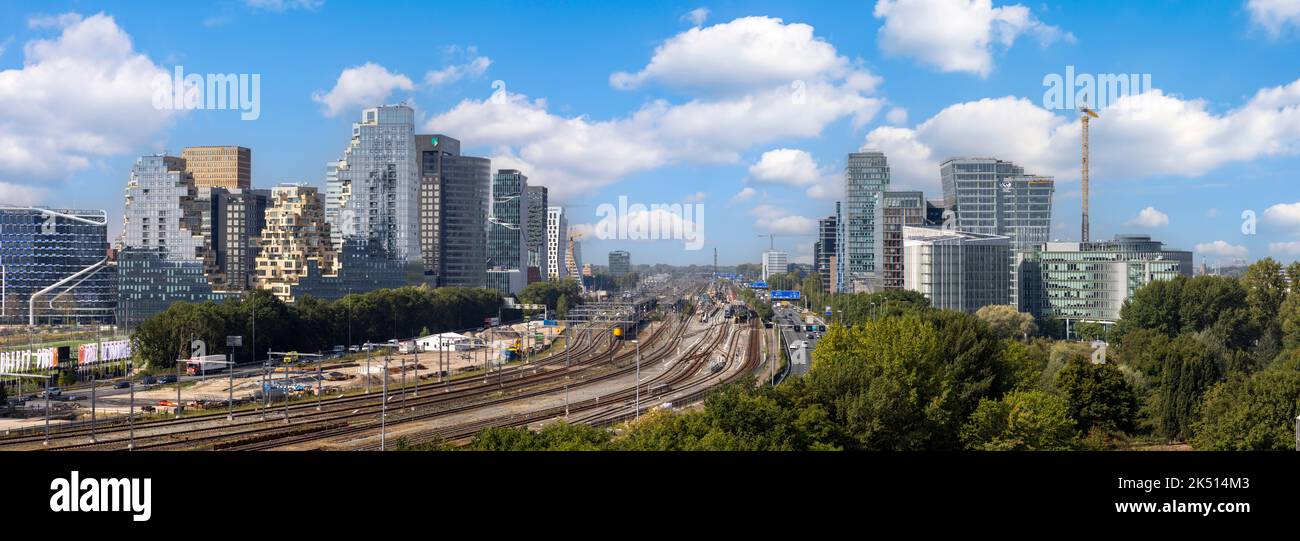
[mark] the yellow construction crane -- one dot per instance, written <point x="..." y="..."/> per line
<point x="1086" y="115"/>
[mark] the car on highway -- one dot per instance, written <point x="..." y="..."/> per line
<point x="52" y="391"/>
<point x="124" y="384"/>
<point x="149" y="380"/>
<point x="167" y="379"/>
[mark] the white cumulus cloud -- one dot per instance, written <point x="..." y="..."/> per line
<point x="696" y="16"/>
<point x="785" y="166"/>
<point x="82" y="95"/>
<point x="1150" y="218"/>
<point x="1288" y="248"/>
<point x="742" y="54"/>
<point x="774" y="219"/>
<point x="1283" y="215"/>
<point x="1222" y="249"/>
<point x="474" y="67"/>
<point x="745" y="194"/>
<point x="1274" y="16"/>
<point x="1136" y="136"/>
<point x="957" y="35"/>
<point x="574" y="154"/>
<point x="362" y="86"/>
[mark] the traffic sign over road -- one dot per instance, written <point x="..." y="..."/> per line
<point x="758" y="285"/>
<point x="784" y="294"/>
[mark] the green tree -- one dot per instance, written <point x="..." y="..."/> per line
<point x="908" y="382"/>
<point x="1021" y="421"/>
<point x="1251" y="412"/>
<point x="1090" y="331"/>
<point x="1007" y="322"/>
<point x="1289" y="317"/>
<point x="1188" y="371"/>
<point x="549" y="292"/>
<point x="562" y="307"/>
<point x="1098" y="396"/>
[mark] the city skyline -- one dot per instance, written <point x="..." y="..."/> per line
<point x="622" y="120"/>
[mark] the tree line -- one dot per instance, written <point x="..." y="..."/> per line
<point x="308" y="324"/>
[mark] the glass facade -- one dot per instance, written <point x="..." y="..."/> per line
<point x="507" y="234"/>
<point x="995" y="197"/>
<point x="379" y="173"/>
<point x="149" y="282"/>
<point x="55" y="262"/>
<point x="956" y="270"/>
<point x="1090" y="281"/>
<point x="620" y="263"/>
<point x="537" y="202"/>
<point x="824" y="249"/>
<point x="454" y="192"/>
<point x="238" y="217"/>
<point x="865" y="181"/>
<point x="900" y="209"/>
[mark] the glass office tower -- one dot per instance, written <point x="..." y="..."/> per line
<point x="54" y="267"/>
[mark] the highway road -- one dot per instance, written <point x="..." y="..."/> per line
<point x="793" y="332"/>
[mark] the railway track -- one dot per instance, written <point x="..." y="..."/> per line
<point x="692" y="363"/>
<point x="684" y="373"/>
<point x="590" y="352"/>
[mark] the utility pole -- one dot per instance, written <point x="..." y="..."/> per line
<point x="383" y="416"/>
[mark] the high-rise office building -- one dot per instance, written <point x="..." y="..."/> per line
<point x="995" y="197"/>
<point x="163" y="210"/>
<point x="226" y="167"/>
<point x="866" y="179"/>
<point x="338" y="192"/>
<point x="620" y="263"/>
<point x="237" y="219"/>
<point x="537" y="213"/>
<point x="165" y="257"/>
<point x="379" y="173"/>
<point x="825" y="249"/>
<point x="1089" y="282"/>
<point x="775" y="263"/>
<point x="900" y="210"/>
<point x="54" y="267"/>
<point x="573" y="259"/>
<point x="508" y="223"/>
<point x="454" y="201"/>
<point x="956" y="270"/>
<point x="557" y="243"/>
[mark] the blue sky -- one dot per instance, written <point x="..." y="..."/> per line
<point x="747" y="107"/>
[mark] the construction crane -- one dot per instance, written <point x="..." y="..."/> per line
<point x="1086" y="115"/>
<point x="772" y="238"/>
